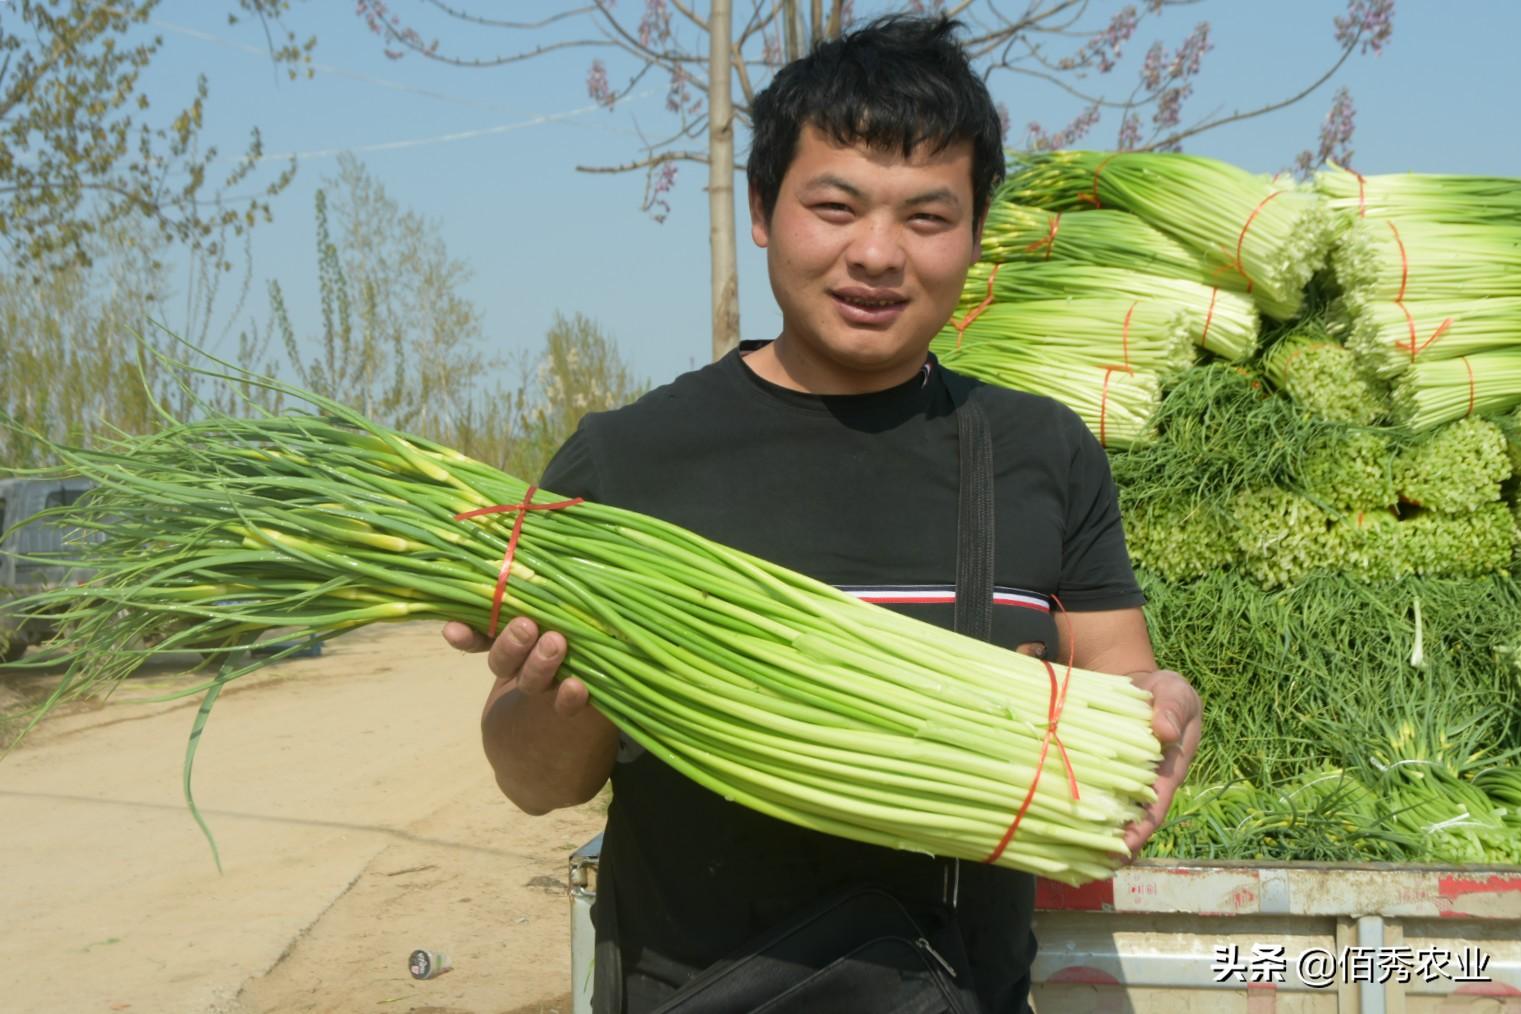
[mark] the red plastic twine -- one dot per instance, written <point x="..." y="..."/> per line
<point x="1049" y="240"/>
<point x="976" y="311"/>
<point x="1404" y="263"/>
<point x="1417" y="349"/>
<point x="1108" y="370"/>
<point x="1125" y="335"/>
<point x="1241" y="239"/>
<point x="512" y="543"/>
<point x="1399" y="301"/>
<point x="1470" y="386"/>
<point x="1058" y="700"/>
<point x="1093" y="198"/>
<point x="1362" y="193"/>
<point x="1214" y="294"/>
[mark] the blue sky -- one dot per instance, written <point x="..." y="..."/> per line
<point x="489" y="155"/>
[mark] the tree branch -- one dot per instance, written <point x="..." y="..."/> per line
<point x="1199" y="128"/>
<point x="982" y="45"/>
<point x="757" y="23"/>
<point x="638" y="48"/>
<point x="476" y="19"/>
<point x="687" y="11"/>
<point x="744" y="77"/>
<point x="646" y="163"/>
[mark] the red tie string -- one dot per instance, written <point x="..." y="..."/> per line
<point x="1058" y="700"/>
<point x="1049" y="240"/>
<point x="1404" y="263"/>
<point x="1362" y="194"/>
<point x="1470" y="386"/>
<point x="976" y="311"/>
<point x="1103" y="433"/>
<point x="1417" y="349"/>
<point x="1214" y="294"/>
<point x="1125" y="335"/>
<point x="1093" y="198"/>
<point x="1236" y="264"/>
<point x="512" y="543"/>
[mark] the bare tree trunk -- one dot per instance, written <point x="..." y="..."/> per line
<point x="792" y="22"/>
<point x="721" y="180"/>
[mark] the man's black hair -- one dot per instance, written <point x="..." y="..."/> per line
<point x="896" y="83"/>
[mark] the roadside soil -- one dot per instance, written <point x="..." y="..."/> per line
<point x="356" y="821"/>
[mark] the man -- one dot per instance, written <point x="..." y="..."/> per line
<point x="833" y="450"/>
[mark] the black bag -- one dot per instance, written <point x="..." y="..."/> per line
<point x="857" y="953"/>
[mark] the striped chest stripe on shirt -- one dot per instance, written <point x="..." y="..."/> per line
<point x="941" y="594"/>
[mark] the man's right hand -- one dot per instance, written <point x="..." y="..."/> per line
<point x="547" y="748"/>
<point x="522" y="659"/>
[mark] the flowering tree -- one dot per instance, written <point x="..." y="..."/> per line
<point x="703" y="51"/>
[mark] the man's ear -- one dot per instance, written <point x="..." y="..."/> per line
<point x="977" y="236"/>
<point x="760" y="229"/>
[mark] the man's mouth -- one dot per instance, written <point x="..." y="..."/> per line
<point x="869" y="301"/>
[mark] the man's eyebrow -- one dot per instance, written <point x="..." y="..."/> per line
<point x="939" y="194"/>
<point x="831" y="180"/>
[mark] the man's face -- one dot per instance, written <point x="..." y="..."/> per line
<point x="867" y="253"/>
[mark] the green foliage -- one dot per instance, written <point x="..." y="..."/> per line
<point x="80" y="148"/>
<point x="1319" y="673"/>
<point x="579" y="371"/>
<point x="403" y="345"/>
<point x="1220" y="432"/>
<point x="74" y="362"/>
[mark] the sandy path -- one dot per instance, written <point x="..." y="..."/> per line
<point x="356" y="820"/>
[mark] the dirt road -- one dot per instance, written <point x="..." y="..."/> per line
<point x="356" y="820"/>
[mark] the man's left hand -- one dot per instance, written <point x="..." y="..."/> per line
<point x="1177" y="720"/>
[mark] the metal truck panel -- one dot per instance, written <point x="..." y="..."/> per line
<point x="1241" y="938"/>
<point x="1286" y="938"/>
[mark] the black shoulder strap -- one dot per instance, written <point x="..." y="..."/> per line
<point x="974" y="526"/>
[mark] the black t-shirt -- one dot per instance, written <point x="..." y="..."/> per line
<point x="859" y="491"/>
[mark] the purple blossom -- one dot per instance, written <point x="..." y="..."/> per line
<point x="655" y="26"/>
<point x="1130" y="133"/>
<point x="678" y="96"/>
<point x="1170" y="106"/>
<point x="1369" y="22"/>
<point x="1151" y="70"/>
<point x="1039" y="140"/>
<point x="658" y="184"/>
<point x="1105" y="48"/>
<point x="1109" y="44"/>
<point x="1335" y="137"/>
<point x="597" y="87"/>
<point x="1185" y="62"/>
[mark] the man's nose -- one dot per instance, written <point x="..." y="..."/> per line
<point x="877" y="247"/>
